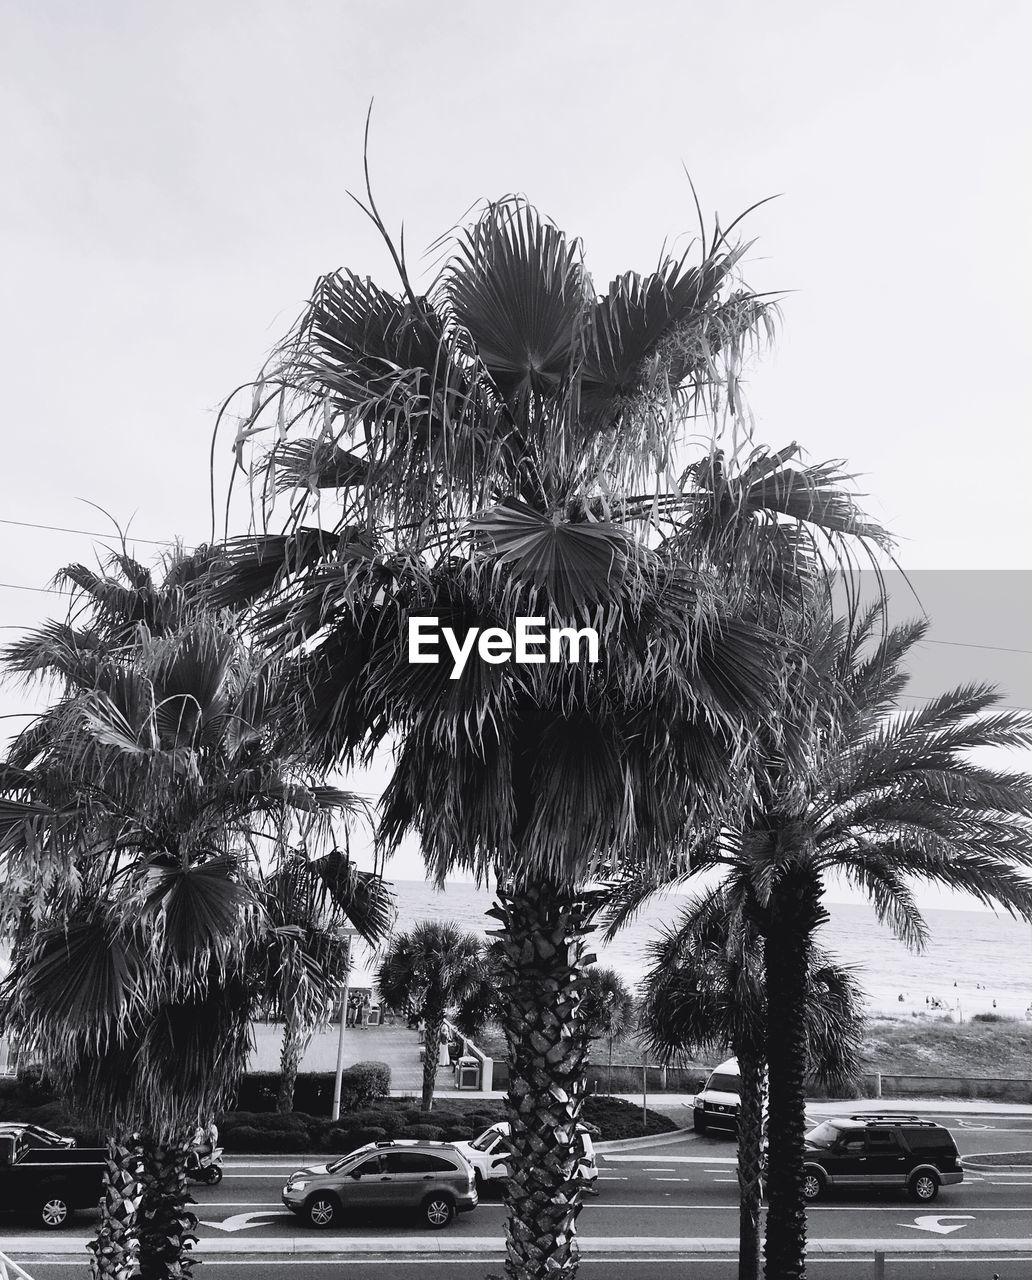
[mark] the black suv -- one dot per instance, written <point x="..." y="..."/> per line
<point x="882" y="1150"/>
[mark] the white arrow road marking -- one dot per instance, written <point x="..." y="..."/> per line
<point x="937" y="1223"/>
<point x="241" y="1221"/>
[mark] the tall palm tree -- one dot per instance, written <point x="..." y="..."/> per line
<point x="705" y="989"/>
<point x="133" y="880"/>
<point x="510" y="443"/>
<point x="303" y="955"/>
<point x="429" y="969"/>
<point x="878" y="798"/>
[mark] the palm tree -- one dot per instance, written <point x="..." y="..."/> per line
<point x="511" y="444"/>
<point x="705" y="990"/>
<point x="608" y="1011"/>
<point x="303" y="954"/>
<point x="134" y="878"/>
<point x="878" y="799"/>
<point x="427" y="970"/>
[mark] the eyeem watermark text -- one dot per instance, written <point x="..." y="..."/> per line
<point x="531" y="643"/>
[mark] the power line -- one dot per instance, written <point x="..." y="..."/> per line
<point x="87" y="533"/>
<point x="969" y="644"/>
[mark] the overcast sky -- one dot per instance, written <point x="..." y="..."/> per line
<point x="175" y="177"/>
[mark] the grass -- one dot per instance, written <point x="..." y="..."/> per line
<point x="929" y="1046"/>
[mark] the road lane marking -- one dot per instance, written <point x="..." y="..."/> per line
<point x="939" y="1223"/>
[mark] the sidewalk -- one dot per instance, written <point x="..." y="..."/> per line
<point x="421" y="1246"/>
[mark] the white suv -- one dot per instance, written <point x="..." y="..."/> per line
<point x="488" y="1154"/>
<point x="717" y="1105"/>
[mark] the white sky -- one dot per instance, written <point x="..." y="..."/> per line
<point x="175" y="177"/>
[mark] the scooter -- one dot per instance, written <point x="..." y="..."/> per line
<point x="205" y="1167"/>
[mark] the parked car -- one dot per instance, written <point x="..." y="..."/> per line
<point x="881" y="1150"/>
<point x="49" y="1183"/>
<point x="717" y="1105"/>
<point x="35" y="1135"/>
<point x="488" y="1154"/>
<point x="431" y="1178"/>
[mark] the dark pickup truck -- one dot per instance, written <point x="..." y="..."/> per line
<point x="48" y="1183"/>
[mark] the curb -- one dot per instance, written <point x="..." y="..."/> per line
<point x="637" y="1144"/>
<point x="677" y="1246"/>
<point x="973" y="1163"/>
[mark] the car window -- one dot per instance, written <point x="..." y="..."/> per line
<point x="929" y="1140"/>
<point x="721" y="1082"/>
<point x="486" y="1140"/>
<point x="416" y="1162"/>
<point x="852" y="1145"/>
<point x="824" y="1135"/>
<point x="365" y="1167"/>
<point x="882" y="1141"/>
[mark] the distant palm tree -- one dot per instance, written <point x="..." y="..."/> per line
<point x="303" y="955"/>
<point x="705" y="990"/>
<point x="608" y="1010"/>
<point x="878" y="799"/>
<point x="428" y="969"/>
<point x="141" y="801"/>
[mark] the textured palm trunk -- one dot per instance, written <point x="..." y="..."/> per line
<point x="114" y="1248"/>
<point x="167" y="1225"/>
<point x="295" y="1042"/>
<point x="794" y="915"/>
<point x="542" y="940"/>
<point x="750" y="1159"/>
<point x="433" y="1025"/>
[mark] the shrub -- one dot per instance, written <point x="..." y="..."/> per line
<point x="458" y="1132"/>
<point x="367" y="1133"/>
<point x="423" y="1132"/>
<point x="246" y="1138"/>
<point x="617" y="1118"/>
<point x="363" y="1082"/>
<point x="991" y="1017"/>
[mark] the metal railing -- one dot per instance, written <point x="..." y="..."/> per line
<point x="9" y="1269"/>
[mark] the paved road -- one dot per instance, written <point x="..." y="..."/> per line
<point x="685" y="1189"/>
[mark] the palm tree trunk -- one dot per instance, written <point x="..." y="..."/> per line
<point x="295" y="1043"/>
<point x="750" y="1159"/>
<point x="433" y="1024"/>
<point x="167" y="1225"/>
<point x="114" y="1248"/>
<point x="795" y="912"/>
<point x="542" y="941"/>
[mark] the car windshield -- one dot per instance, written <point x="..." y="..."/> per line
<point x="721" y="1082"/>
<point x="349" y="1159"/>
<point x="824" y="1135"/>
<point x="486" y="1140"/>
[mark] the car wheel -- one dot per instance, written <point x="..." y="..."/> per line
<point x="438" y="1211"/>
<point x="214" y="1175"/>
<point x="322" y="1210"/>
<point x="54" y="1211"/>
<point x="699" y="1122"/>
<point x="924" y="1187"/>
<point x="813" y="1185"/>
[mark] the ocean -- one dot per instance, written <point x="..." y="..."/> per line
<point x="972" y="958"/>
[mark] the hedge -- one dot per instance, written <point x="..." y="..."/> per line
<point x="361" y="1084"/>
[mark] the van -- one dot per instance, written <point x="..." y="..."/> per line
<point x="716" y="1107"/>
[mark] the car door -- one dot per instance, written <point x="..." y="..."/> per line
<point x="886" y="1159"/>
<point x="848" y="1164"/>
<point x="500" y="1153"/>
<point x="411" y="1175"/>
<point x="365" y="1186"/>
